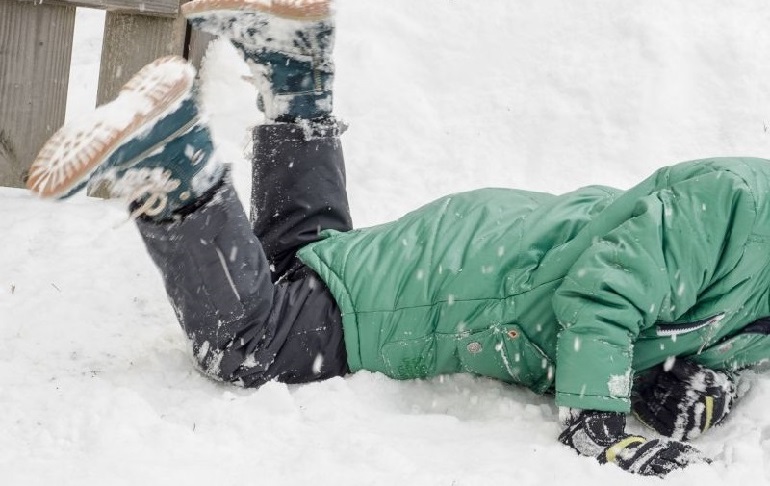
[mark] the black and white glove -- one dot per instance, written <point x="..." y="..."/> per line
<point x="603" y="435"/>
<point x="682" y="400"/>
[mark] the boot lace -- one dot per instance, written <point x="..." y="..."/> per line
<point x="152" y="184"/>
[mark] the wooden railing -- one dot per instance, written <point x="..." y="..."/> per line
<point x="35" y="54"/>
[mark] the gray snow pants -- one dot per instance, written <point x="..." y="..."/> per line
<point x="251" y="309"/>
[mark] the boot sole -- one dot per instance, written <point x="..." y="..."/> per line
<point x="71" y="155"/>
<point x="303" y="10"/>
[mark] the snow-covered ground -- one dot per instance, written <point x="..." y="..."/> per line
<point x="96" y="382"/>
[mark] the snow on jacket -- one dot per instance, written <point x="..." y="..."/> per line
<point x="572" y="292"/>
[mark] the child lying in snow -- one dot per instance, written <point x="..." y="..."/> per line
<point x="592" y="295"/>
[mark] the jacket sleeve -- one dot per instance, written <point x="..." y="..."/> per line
<point x="679" y="237"/>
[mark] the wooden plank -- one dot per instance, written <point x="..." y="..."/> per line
<point x="35" y="53"/>
<point x="168" y="8"/>
<point x="130" y="42"/>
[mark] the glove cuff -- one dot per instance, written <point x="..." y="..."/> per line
<point x="592" y="432"/>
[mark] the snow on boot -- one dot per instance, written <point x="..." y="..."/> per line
<point x="287" y="44"/>
<point x="148" y="145"/>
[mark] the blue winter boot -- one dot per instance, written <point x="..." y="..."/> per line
<point x="287" y="44"/>
<point x="149" y="145"/>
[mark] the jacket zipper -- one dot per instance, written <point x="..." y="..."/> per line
<point x="678" y="329"/>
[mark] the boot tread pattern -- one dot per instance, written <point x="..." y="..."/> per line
<point x="304" y="10"/>
<point x="69" y="157"/>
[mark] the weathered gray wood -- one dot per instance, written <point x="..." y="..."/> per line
<point x="145" y="7"/>
<point x="130" y="42"/>
<point x="197" y="45"/>
<point x="35" y="53"/>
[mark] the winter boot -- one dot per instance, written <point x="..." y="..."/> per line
<point x="287" y="44"/>
<point x="149" y="145"/>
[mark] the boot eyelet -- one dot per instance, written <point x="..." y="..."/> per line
<point x="513" y="334"/>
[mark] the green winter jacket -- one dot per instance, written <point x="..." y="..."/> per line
<point x="571" y="293"/>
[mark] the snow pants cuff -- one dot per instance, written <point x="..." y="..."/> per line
<point x="298" y="187"/>
<point x="216" y="277"/>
